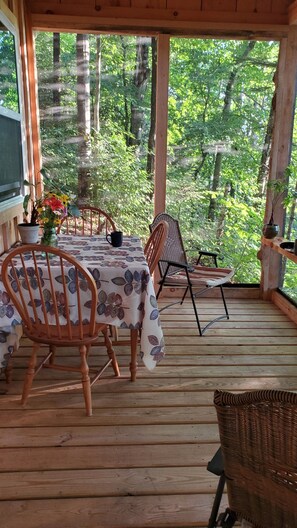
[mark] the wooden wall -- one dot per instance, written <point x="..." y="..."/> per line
<point x="11" y="212"/>
<point x="9" y="216"/>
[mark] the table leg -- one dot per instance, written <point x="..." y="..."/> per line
<point x="133" y="363"/>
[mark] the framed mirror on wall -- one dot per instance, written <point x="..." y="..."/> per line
<point x="11" y="136"/>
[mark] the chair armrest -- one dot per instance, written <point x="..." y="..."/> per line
<point x="211" y="254"/>
<point x="176" y="264"/>
<point x="208" y="253"/>
<point x="216" y="464"/>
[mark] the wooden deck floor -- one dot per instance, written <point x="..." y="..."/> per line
<point x="140" y="460"/>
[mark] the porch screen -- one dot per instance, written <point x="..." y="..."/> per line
<point x="11" y="162"/>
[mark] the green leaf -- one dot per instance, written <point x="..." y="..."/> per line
<point x="73" y="210"/>
<point x="26" y="202"/>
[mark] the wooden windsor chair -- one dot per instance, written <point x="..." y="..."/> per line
<point x="93" y="221"/>
<point x="152" y="250"/>
<point x="155" y="244"/>
<point x="50" y="290"/>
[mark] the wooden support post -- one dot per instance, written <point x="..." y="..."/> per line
<point x="30" y="85"/>
<point x="161" y="122"/>
<point x="280" y="151"/>
<point x="26" y="94"/>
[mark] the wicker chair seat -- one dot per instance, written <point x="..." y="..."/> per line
<point x="258" y="461"/>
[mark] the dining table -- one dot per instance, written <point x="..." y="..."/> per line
<point x="126" y="296"/>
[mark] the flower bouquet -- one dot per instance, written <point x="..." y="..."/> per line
<point x="52" y="208"/>
<point x="47" y="210"/>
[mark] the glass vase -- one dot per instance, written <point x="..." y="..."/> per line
<point x="49" y="237"/>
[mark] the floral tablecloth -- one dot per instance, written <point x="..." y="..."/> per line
<point x="126" y="296"/>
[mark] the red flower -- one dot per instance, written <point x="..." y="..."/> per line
<point x="54" y="203"/>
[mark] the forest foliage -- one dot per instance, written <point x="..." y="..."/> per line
<point x="97" y="122"/>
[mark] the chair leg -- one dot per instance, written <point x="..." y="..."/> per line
<point x="114" y="333"/>
<point x="86" y="383"/>
<point x="184" y="295"/>
<point x="227" y="519"/>
<point x="224" y="301"/>
<point x="30" y="373"/>
<point x="195" y="310"/>
<point x="111" y="352"/>
<point x="9" y="369"/>
<point x="212" y="523"/>
<point x="53" y="353"/>
<point x="159" y="290"/>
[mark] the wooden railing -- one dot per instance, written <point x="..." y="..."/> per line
<point x="271" y="254"/>
<point x="275" y="243"/>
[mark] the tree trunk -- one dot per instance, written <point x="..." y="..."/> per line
<point x="200" y="166"/>
<point x="56" y="76"/>
<point x="264" y="168"/>
<point x="125" y="84"/>
<point x="221" y="219"/>
<point x="225" y="113"/>
<point x="215" y="185"/>
<point x="140" y="82"/>
<point x="150" y="166"/>
<point x="83" y="116"/>
<point x="97" y="85"/>
<point x="203" y="152"/>
<point x="291" y="217"/>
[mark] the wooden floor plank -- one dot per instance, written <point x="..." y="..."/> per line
<point x="232" y="325"/>
<point x="109" y="416"/>
<point x="118" y="482"/>
<point x="180" y="511"/>
<point x="141" y="459"/>
<point x="158" y="383"/>
<point x="109" y="456"/>
<point x="192" y="371"/>
<point x="198" y="359"/>
<point x="111" y="435"/>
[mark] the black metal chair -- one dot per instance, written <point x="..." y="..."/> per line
<point x="257" y="459"/>
<point x="175" y="271"/>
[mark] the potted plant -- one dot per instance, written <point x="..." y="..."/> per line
<point x="46" y="212"/>
<point x="280" y="191"/>
<point x="29" y="228"/>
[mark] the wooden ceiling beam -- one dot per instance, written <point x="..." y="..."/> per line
<point x="160" y="18"/>
<point x="89" y="24"/>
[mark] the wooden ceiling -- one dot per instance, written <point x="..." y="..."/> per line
<point x="243" y="17"/>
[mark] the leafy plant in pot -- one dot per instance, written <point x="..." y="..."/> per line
<point x="49" y="209"/>
<point x="279" y="189"/>
<point x="29" y="228"/>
